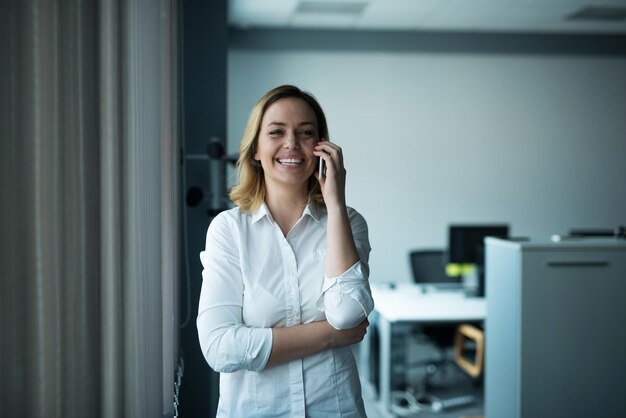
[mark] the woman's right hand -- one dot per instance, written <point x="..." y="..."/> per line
<point x="341" y="338"/>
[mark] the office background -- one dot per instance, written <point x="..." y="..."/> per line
<point x="437" y="128"/>
<point x="443" y="128"/>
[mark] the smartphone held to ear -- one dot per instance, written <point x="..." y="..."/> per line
<point x="321" y="167"/>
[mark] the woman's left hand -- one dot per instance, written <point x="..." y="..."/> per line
<point x="333" y="183"/>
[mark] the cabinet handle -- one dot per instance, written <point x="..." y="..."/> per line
<point x="581" y="263"/>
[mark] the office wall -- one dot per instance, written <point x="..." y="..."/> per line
<point x="431" y="137"/>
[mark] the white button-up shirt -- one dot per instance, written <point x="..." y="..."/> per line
<point x="254" y="279"/>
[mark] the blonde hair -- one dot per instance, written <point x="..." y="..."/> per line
<point x="249" y="192"/>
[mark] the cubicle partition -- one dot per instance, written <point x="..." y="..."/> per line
<point x="555" y="328"/>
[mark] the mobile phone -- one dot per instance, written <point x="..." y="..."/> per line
<point x="321" y="168"/>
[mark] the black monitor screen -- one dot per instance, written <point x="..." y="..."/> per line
<point x="466" y="242"/>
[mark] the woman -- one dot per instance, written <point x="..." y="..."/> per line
<point x="285" y="282"/>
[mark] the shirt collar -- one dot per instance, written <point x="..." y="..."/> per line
<point x="261" y="213"/>
<point x="311" y="209"/>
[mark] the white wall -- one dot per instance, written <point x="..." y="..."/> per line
<point x="433" y="138"/>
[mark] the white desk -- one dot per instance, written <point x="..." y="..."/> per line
<point x="406" y="303"/>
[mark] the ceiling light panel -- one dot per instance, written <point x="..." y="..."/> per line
<point x="260" y="13"/>
<point x="398" y="14"/>
<point x="603" y="13"/>
<point x="329" y="14"/>
<point x="323" y="20"/>
<point x="344" y="7"/>
<point x="507" y="16"/>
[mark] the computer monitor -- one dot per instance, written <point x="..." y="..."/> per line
<point x="466" y="246"/>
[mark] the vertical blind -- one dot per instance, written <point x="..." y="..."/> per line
<point x="88" y="210"/>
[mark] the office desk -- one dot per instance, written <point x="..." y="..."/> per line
<point x="407" y="304"/>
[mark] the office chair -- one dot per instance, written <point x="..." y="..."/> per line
<point x="428" y="267"/>
<point x="469" y="354"/>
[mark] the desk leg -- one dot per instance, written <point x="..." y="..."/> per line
<point x="384" y="328"/>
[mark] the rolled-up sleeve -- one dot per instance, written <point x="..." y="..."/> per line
<point x="347" y="299"/>
<point x="227" y="344"/>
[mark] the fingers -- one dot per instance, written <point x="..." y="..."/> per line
<point x="362" y="330"/>
<point x="330" y="152"/>
<point x="332" y="155"/>
<point x="333" y="182"/>
<point x="364" y="325"/>
<point x="350" y="336"/>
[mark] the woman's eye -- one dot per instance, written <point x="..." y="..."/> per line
<point x="308" y="133"/>
<point x="276" y="132"/>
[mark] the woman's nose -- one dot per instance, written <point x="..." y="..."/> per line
<point x="291" y="141"/>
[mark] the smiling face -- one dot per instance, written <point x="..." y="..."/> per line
<point x="287" y="136"/>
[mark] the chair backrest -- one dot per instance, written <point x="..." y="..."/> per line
<point x="428" y="266"/>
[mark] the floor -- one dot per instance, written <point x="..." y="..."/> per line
<point x="448" y="383"/>
<point x="475" y="409"/>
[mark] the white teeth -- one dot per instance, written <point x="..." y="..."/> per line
<point x="290" y="161"/>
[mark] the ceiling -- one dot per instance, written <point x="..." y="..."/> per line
<point x="526" y="16"/>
